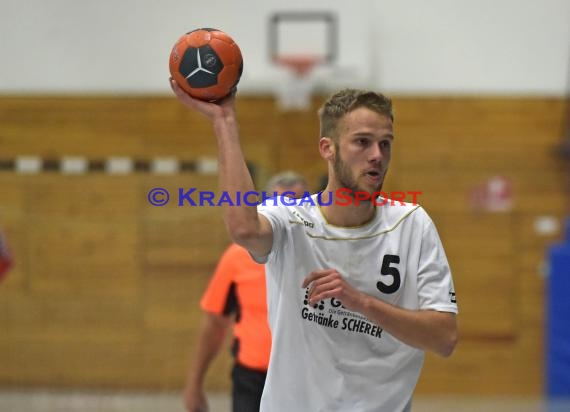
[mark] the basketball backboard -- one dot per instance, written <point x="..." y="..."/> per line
<point x="305" y="55"/>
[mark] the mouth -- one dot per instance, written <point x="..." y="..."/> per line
<point x="373" y="175"/>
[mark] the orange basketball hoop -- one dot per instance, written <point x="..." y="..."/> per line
<point x="295" y="92"/>
<point x="301" y="65"/>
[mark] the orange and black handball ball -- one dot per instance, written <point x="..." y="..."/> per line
<point x="207" y="64"/>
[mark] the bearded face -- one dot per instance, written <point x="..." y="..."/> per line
<point x="368" y="177"/>
<point x="361" y="151"/>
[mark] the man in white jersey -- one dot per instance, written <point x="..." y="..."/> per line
<point x="357" y="291"/>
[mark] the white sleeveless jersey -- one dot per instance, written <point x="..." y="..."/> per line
<point x="325" y="358"/>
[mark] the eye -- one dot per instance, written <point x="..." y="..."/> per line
<point x="362" y="141"/>
<point x="385" y="144"/>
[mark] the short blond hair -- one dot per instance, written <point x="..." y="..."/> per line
<point x="347" y="100"/>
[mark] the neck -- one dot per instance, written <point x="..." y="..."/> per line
<point x="344" y="210"/>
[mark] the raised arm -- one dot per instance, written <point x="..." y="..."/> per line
<point x="245" y="226"/>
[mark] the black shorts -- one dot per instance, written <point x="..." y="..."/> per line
<point x="247" y="388"/>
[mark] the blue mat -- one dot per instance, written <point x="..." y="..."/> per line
<point x="558" y="321"/>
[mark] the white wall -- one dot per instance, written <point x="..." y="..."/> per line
<point x="485" y="46"/>
<point x="413" y="46"/>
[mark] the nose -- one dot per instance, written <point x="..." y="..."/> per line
<point x="375" y="154"/>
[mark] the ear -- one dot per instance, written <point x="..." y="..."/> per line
<point x="327" y="148"/>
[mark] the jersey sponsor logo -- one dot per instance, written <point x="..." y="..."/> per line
<point x="305" y="221"/>
<point x="320" y="305"/>
<point x="338" y="317"/>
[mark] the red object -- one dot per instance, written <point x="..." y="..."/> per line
<point x="495" y="195"/>
<point x="6" y="260"/>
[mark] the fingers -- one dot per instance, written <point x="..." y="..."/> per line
<point x="316" y="274"/>
<point x="211" y="110"/>
<point x="176" y="88"/>
<point x="186" y="98"/>
<point x="331" y="289"/>
<point x="181" y="94"/>
<point x="324" y="284"/>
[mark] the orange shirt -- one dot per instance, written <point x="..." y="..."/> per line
<point x="238" y="287"/>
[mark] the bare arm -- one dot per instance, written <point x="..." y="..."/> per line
<point x="422" y="329"/>
<point x="210" y="341"/>
<point x="245" y="226"/>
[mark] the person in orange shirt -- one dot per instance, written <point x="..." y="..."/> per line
<point x="236" y="295"/>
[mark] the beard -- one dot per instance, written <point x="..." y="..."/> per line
<point x="345" y="178"/>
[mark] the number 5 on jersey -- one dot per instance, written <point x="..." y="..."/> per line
<point x="389" y="271"/>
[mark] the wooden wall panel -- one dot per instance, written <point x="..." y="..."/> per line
<point x="106" y="286"/>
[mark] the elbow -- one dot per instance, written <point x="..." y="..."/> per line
<point x="240" y="237"/>
<point x="448" y="345"/>
<point x="250" y="235"/>
<point x="241" y="229"/>
<point x="241" y="234"/>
